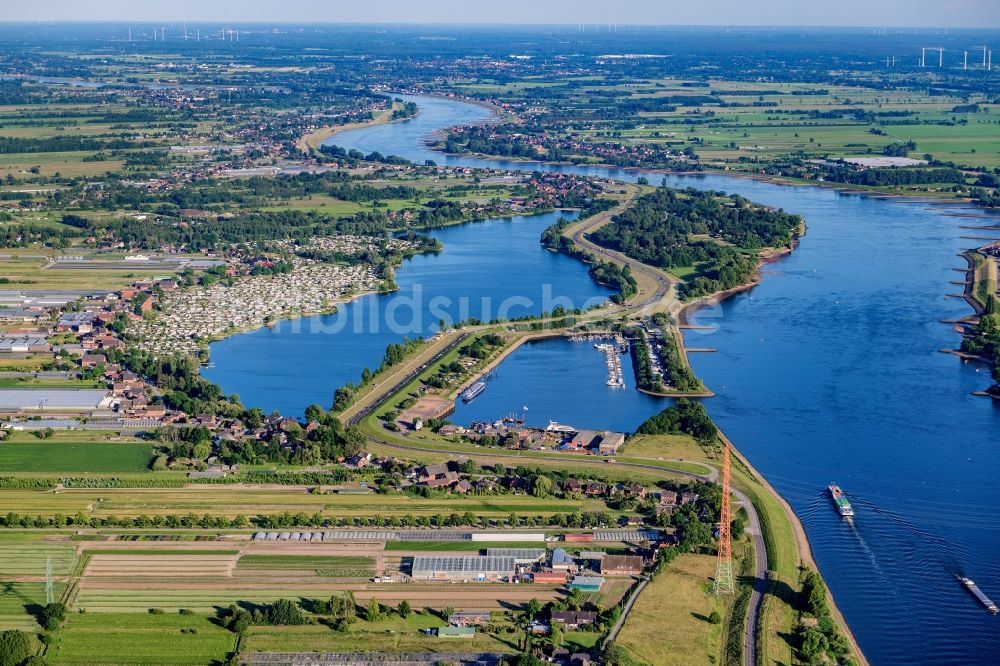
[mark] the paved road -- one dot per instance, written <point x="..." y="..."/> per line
<point x="578" y="234"/>
<point x="613" y="634"/>
<point x="385" y="395"/>
<point x="752" y="622"/>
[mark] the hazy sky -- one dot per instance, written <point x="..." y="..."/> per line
<point x="898" y="13"/>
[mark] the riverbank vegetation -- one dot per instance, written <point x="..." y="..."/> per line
<point x="708" y="238"/>
<point x="686" y="417"/>
<point x="618" y="277"/>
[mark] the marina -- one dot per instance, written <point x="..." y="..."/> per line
<point x="612" y="353"/>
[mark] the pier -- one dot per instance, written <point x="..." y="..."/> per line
<point x="611" y="354"/>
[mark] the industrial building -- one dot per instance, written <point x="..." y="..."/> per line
<point x="460" y="567"/>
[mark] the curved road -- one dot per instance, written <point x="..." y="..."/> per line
<point x="578" y="234"/>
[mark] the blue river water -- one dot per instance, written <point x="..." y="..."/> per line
<point x="829" y="370"/>
<point x="497" y="269"/>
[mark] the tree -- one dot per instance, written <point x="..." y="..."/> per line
<point x="373" y="612"/>
<point x="15" y="647"/>
<point x="285" y="612"/>
<point x="541" y="486"/>
<point x="52" y="615"/>
<point x="814" y="643"/>
<point x="403" y="609"/>
<point x="447" y="613"/>
<point x="533" y="608"/>
<point x="715" y="617"/>
<point x="815" y="593"/>
<point x="556" y="636"/>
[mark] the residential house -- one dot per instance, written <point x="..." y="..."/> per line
<point x="574" y="619"/>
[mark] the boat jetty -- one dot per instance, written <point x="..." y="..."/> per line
<point x="612" y="346"/>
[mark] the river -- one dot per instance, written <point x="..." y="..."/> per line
<point x="827" y="371"/>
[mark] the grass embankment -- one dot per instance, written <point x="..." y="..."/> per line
<point x="984" y="280"/>
<point x="787" y="548"/>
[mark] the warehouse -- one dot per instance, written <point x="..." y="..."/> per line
<point x="461" y="567"/>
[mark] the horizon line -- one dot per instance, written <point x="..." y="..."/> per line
<point x="450" y="24"/>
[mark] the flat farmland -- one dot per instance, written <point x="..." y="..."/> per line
<point x="233" y="500"/>
<point x="16" y="598"/>
<point x="31" y="272"/>
<point x="140" y="640"/>
<point x="159" y="566"/>
<point x="327" y="566"/>
<point x="48" y="457"/>
<point x="392" y="635"/>
<point x="68" y="164"/>
<point x="28" y="558"/>
<point x="207" y="596"/>
<point x="678" y="593"/>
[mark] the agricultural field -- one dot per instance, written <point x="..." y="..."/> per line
<point x="749" y="123"/>
<point x="140" y="639"/>
<point x="34" y="270"/>
<point x="230" y="500"/>
<point x="392" y="635"/>
<point x="69" y="457"/>
<point x="681" y="593"/>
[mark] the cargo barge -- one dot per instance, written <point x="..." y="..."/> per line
<point x="473" y="391"/>
<point x="971" y="586"/>
<point x="843" y="507"/>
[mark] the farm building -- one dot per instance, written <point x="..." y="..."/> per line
<point x="610" y="442"/>
<point x="460" y="567"/>
<point x="578" y="538"/>
<point x="556" y="577"/>
<point x="562" y="560"/>
<point x="625" y="535"/>
<point x="507" y="536"/>
<point x="587" y="583"/>
<point x="591" y="555"/>
<point x="456" y="632"/>
<point x="520" y="555"/>
<point x="54" y="400"/>
<point x="622" y="565"/>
